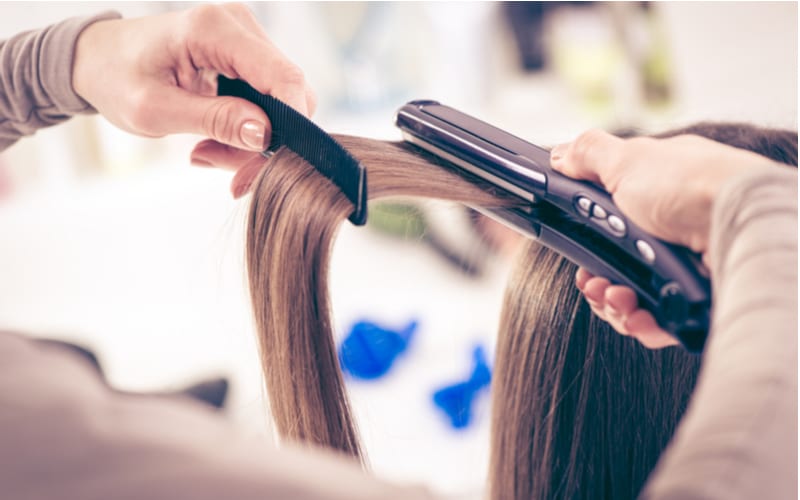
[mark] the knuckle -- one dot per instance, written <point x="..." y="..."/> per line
<point x="205" y="12"/>
<point x="240" y="9"/>
<point x="636" y="145"/>
<point x="217" y="121"/>
<point x="585" y="144"/>
<point x="200" y="18"/>
<point x="142" y="113"/>
<point x="292" y="74"/>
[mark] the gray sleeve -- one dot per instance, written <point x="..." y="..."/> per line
<point x="65" y="435"/>
<point x="738" y="439"/>
<point x="36" y="78"/>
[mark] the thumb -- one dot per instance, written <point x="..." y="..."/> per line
<point x="229" y="120"/>
<point x="594" y="156"/>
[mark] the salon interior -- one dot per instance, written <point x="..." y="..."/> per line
<point x="115" y="243"/>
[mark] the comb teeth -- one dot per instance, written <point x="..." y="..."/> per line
<point x="304" y="137"/>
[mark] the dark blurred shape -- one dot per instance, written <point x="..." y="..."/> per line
<point x="527" y="24"/>
<point x="450" y="233"/>
<point x="212" y="392"/>
<point x="527" y="19"/>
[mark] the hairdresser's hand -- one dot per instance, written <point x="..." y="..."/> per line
<point x="666" y="187"/>
<point x="156" y="75"/>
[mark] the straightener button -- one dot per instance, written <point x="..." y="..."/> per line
<point x="646" y="251"/>
<point x="584" y="205"/>
<point x="599" y="212"/>
<point x="617" y="225"/>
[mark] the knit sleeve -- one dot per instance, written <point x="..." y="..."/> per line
<point x="738" y="439"/>
<point x="36" y="78"/>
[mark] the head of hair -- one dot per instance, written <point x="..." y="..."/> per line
<point x="578" y="410"/>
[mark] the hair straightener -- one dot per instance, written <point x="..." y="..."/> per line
<point x="575" y="218"/>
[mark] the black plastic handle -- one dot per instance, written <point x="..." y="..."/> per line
<point x="576" y="218"/>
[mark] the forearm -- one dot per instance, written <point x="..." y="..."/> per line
<point x="739" y="436"/>
<point x="36" y="78"/>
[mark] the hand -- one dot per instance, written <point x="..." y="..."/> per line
<point x="618" y="306"/>
<point x="666" y="187"/>
<point x="156" y="75"/>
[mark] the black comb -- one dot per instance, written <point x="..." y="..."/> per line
<point x="304" y="137"/>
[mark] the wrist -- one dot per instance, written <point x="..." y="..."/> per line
<point x="85" y="58"/>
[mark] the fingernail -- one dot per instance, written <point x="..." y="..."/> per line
<point x="613" y="310"/>
<point x="199" y="161"/>
<point x="252" y="135"/>
<point x="558" y="152"/>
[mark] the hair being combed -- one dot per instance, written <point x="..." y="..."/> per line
<point x="578" y="410"/>
<point x="293" y="220"/>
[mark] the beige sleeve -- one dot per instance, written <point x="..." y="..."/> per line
<point x="36" y="78"/>
<point x="738" y="439"/>
<point x="65" y="435"/>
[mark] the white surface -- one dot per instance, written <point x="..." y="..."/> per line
<point x="148" y="270"/>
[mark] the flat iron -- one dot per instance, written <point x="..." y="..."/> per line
<point x="575" y="218"/>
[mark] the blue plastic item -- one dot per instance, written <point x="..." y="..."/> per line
<point x="456" y="400"/>
<point x="369" y="350"/>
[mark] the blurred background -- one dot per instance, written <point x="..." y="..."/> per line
<point x="114" y="242"/>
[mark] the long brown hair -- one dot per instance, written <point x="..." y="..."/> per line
<point x="578" y="411"/>
<point x="293" y="219"/>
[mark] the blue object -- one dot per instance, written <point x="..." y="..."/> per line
<point x="369" y="350"/>
<point x="456" y="400"/>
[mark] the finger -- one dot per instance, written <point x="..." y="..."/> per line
<point x="311" y="101"/>
<point x="594" y="297"/>
<point x="226" y="48"/>
<point x="591" y="157"/>
<point x="262" y="65"/>
<point x="278" y="78"/>
<point x="595" y="289"/>
<point x="245" y="176"/>
<point x="642" y="325"/>
<point x="228" y="120"/>
<point x="602" y="311"/>
<point x="657" y="340"/>
<point x="581" y="277"/>
<point x="597" y="309"/>
<point x="246" y="18"/>
<point x="269" y="71"/>
<point x="617" y="322"/>
<point x="212" y="153"/>
<point x="621" y="300"/>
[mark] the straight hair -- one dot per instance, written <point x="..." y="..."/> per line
<point x="578" y="410"/>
